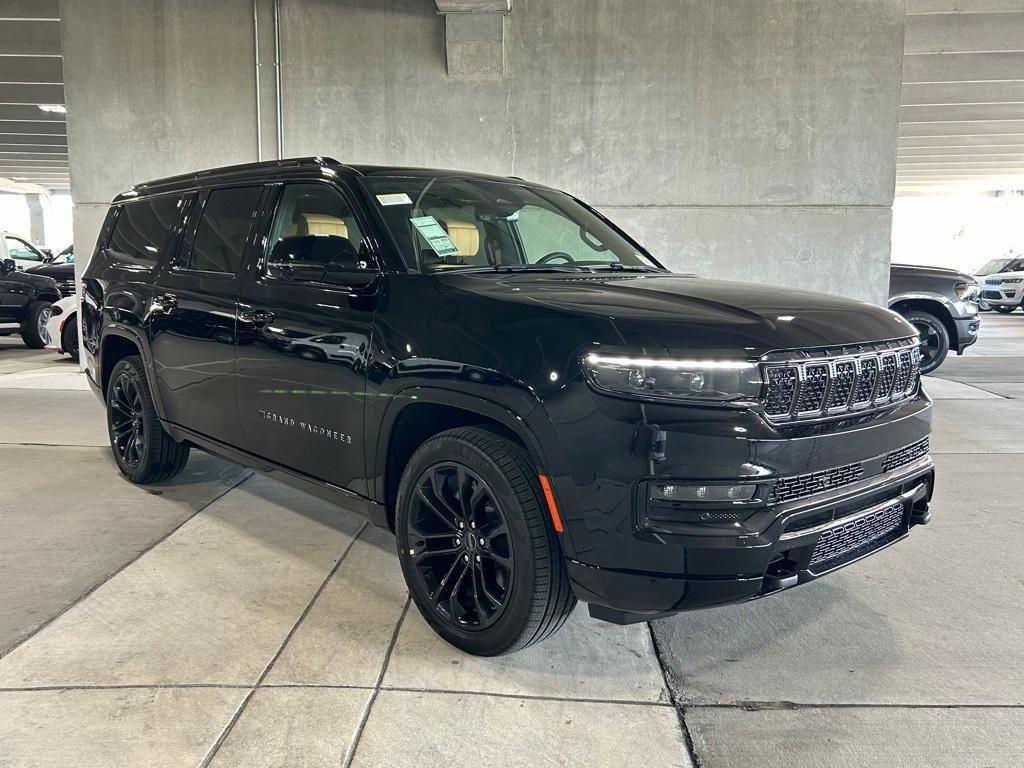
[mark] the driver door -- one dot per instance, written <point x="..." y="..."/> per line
<point x="304" y="321"/>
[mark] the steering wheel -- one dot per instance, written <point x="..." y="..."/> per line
<point x="557" y="255"/>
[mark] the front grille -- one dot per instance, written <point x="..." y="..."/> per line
<point x="66" y="287"/>
<point x="903" y="456"/>
<point x="834" y="382"/>
<point x="790" y="488"/>
<point x="846" y="538"/>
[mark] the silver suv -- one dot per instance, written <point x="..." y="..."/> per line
<point x="1002" y="284"/>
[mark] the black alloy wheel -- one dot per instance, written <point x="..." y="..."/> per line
<point x="934" y="339"/>
<point x="127" y="431"/>
<point x="460" y="545"/>
<point x="477" y="545"/>
<point x="143" y="450"/>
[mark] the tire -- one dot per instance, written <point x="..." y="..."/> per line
<point x="523" y="601"/>
<point x="154" y="456"/>
<point x="1003" y="308"/>
<point x="33" y="332"/>
<point x="934" y="339"/>
<point x="69" y="337"/>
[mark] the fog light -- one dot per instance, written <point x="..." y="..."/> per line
<point x="674" y="492"/>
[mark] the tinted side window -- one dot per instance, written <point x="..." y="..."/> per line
<point x="223" y="230"/>
<point x="314" y="234"/>
<point x="140" y="233"/>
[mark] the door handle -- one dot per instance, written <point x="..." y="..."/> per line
<point x="165" y="302"/>
<point x="256" y="316"/>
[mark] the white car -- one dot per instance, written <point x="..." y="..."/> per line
<point x="62" y="327"/>
<point x="25" y="254"/>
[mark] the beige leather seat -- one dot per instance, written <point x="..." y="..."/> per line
<point x="320" y="224"/>
<point x="464" y="234"/>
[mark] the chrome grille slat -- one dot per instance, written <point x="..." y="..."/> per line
<point x="834" y="382"/>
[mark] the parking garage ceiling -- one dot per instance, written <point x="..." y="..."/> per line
<point x="33" y="136"/>
<point x="961" y="122"/>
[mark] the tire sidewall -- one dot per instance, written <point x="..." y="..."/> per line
<point x="936" y="324"/>
<point x="30" y="333"/>
<point x="132" y="367"/>
<point x="496" y="637"/>
<point x="70" y="333"/>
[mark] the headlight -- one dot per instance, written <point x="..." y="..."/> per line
<point x="1013" y="279"/>
<point x="711" y="380"/>
<point x="965" y="290"/>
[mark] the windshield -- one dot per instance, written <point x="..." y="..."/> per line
<point x="442" y="224"/>
<point x="1000" y="265"/>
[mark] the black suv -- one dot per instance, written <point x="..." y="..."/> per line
<point x="537" y="408"/>
<point x="25" y="301"/>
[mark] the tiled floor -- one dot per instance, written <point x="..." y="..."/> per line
<point x="224" y="619"/>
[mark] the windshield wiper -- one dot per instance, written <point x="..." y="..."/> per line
<point x="539" y="268"/>
<point x="616" y="266"/>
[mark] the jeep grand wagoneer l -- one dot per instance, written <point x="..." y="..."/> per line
<point x="535" y="406"/>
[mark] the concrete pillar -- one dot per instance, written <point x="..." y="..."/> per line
<point x="36" y="220"/>
<point x="737" y="139"/>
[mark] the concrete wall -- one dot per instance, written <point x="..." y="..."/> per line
<point x="747" y="140"/>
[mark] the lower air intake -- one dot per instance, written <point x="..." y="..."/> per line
<point x="843" y="540"/>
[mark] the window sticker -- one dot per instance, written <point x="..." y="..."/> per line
<point x="435" y="235"/>
<point x="394" y="198"/>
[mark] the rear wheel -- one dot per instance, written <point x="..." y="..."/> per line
<point x="934" y="339"/>
<point x="479" y="553"/>
<point x="144" y="452"/>
<point x="69" y="337"/>
<point x="33" y="332"/>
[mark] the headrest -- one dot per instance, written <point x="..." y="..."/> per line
<point x="321" y="224"/>
<point x="464" y="234"/>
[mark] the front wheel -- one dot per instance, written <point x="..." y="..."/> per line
<point x="934" y="337"/>
<point x="1003" y="308"/>
<point x="144" y="452"/>
<point x="478" y="550"/>
<point x="69" y="337"/>
<point x="33" y="332"/>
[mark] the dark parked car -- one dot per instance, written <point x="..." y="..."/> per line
<point x="62" y="273"/>
<point x="538" y="409"/>
<point x="25" y="301"/>
<point x="941" y="303"/>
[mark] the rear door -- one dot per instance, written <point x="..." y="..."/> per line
<point x="305" y="317"/>
<point x="192" y="330"/>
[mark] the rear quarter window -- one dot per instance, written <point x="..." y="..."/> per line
<point x="141" y="231"/>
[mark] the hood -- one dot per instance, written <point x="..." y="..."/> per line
<point x="907" y="270"/>
<point x="668" y="313"/>
<point x="34" y="281"/>
<point x="56" y="271"/>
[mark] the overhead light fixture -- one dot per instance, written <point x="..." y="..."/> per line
<point x="59" y="108"/>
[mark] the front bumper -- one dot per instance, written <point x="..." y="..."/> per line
<point x="1000" y="296"/>
<point x="966" y="333"/>
<point x="631" y="563"/>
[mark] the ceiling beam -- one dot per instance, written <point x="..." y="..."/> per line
<point x="29" y="9"/>
<point x="31" y="93"/>
<point x="30" y="37"/>
<point x="32" y="69"/>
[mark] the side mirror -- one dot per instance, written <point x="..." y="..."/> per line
<point x="315" y="258"/>
<point x="7" y="266"/>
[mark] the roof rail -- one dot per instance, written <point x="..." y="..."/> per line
<point x="289" y="162"/>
